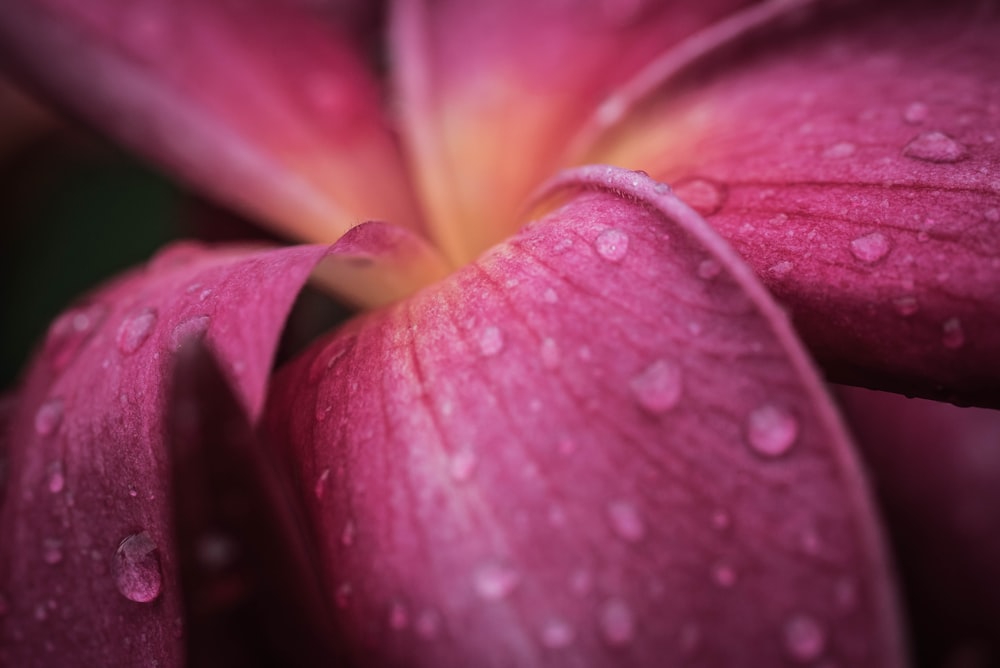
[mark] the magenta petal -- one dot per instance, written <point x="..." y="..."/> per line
<point x="88" y="564"/>
<point x="937" y="473"/>
<point x="855" y="163"/>
<point x="601" y="444"/>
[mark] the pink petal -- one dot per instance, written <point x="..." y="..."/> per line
<point x="854" y="162"/>
<point x="88" y="565"/>
<point x="937" y="473"/>
<point x="493" y="94"/>
<point x="267" y="106"/>
<point x="601" y="444"/>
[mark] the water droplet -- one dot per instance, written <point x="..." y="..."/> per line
<point x="57" y="481"/>
<point x="842" y="149"/>
<point x="805" y="639"/>
<point x="135" y="330"/>
<point x="702" y="195"/>
<point x="934" y="146"/>
<point x="428" y="624"/>
<point x="136" y="568"/>
<point x="616" y="622"/>
<point x="71" y="331"/>
<point x="490" y="341"/>
<point x="905" y="306"/>
<point x="612" y="245"/>
<point x="48" y="416"/>
<point x="721" y="520"/>
<point x="626" y="521"/>
<point x="871" y="247"/>
<point x="550" y="296"/>
<point x="495" y="581"/>
<point x="953" y="336"/>
<point x="319" y="489"/>
<point x="52" y="551"/>
<point x="724" y="575"/>
<point x="916" y="113"/>
<point x="399" y="617"/>
<point x="658" y="388"/>
<point x="611" y="110"/>
<point x="709" y="269"/>
<point x="461" y="465"/>
<point x="189" y="330"/>
<point x="771" y="430"/>
<point x="347" y="534"/>
<point x="550" y="354"/>
<point x="557" y="634"/>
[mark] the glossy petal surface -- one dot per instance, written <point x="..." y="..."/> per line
<point x="491" y="94"/>
<point x="937" y="473"/>
<point x="265" y="105"/>
<point x="600" y="444"/>
<point x="88" y="565"/>
<point x="853" y="161"/>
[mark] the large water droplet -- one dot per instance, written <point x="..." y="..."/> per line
<point x="915" y="113"/>
<point x="48" y="416"/>
<point x="771" y="430"/>
<point x="617" y="625"/>
<point x="934" y="146"/>
<point x="135" y="330"/>
<point x="953" y="336"/>
<point x="556" y="634"/>
<point x="495" y="581"/>
<point x="871" y="247"/>
<point x="490" y="341"/>
<point x="626" y="521"/>
<point x="136" y="568"/>
<point x="804" y="637"/>
<point x="658" y="388"/>
<point x="612" y="245"/>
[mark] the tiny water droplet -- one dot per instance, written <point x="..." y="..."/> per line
<point x="805" y="639"/>
<point x="617" y="625"/>
<point x="934" y="146"/>
<point x="347" y="534"/>
<point x="550" y="354"/>
<point x="771" y="431"/>
<point x="191" y="329"/>
<point x="57" y="481"/>
<point x="550" y="296"/>
<point x="724" y="575"/>
<point x="462" y="465"/>
<point x="780" y="269"/>
<point x="52" y="551"/>
<point x="709" y="269"/>
<point x="658" y="388"/>
<point x="612" y="245"/>
<point x="721" y="520"/>
<point x="702" y="195"/>
<point x="905" y="306"/>
<point x="953" y="336"/>
<point x="48" y="416"/>
<point x="495" y="581"/>
<point x="135" y="330"/>
<point x="916" y="113"/>
<point x="870" y="248"/>
<point x="557" y="634"/>
<point x="136" y="568"/>
<point x="842" y="149"/>
<point x="626" y="521"/>
<point x="399" y="617"/>
<point x="490" y="341"/>
<point x="319" y="489"/>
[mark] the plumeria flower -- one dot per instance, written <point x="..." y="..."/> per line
<point x="582" y="415"/>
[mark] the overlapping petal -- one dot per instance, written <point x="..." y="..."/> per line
<point x="853" y="162"/>
<point x="266" y="105"/>
<point x="599" y="444"/>
<point x="88" y="564"/>
<point x="491" y="94"/>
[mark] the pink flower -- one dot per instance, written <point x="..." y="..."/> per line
<point x="598" y="438"/>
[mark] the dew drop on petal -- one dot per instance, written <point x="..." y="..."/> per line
<point x="804" y="638"/>
<point x="550" y="354"/>
<point x="136" y="568"/>
<point x="71" y="331"/>
<point x="490" y="341"/>
<point x="461" y="465"/>
<point x="953" y="336"/>
<point x="724" y="575"/>
<point x="934" y="146"/>
<point x="319" y="489"/>
<point x="347" y="534"/>
<point x="617" y="625"/>
<point x="721" y="520"/>
<point x="702" y="195"/>
<point x="495" y="581"/>
<point x="48" y="416"/>
<point x="771" y="431"/>
<point x="56" y="479"/>
<point x="870" y="248"/>
<point x="556" y="634"/>
<point x="842" y="149"/>
<point x="658" y="388"/>
<point x="626" y="521"/>
<point x="135" y="330"/>
<point x="612" y="245"/>
<point x="709" y="269"/>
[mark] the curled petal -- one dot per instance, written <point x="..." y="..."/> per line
<point x="599" y="444"/>
<point x="88" y="562"/>
<point x="937" y="474"/>
<point x="265" y="105"/>
<point x="854" y="162"/>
